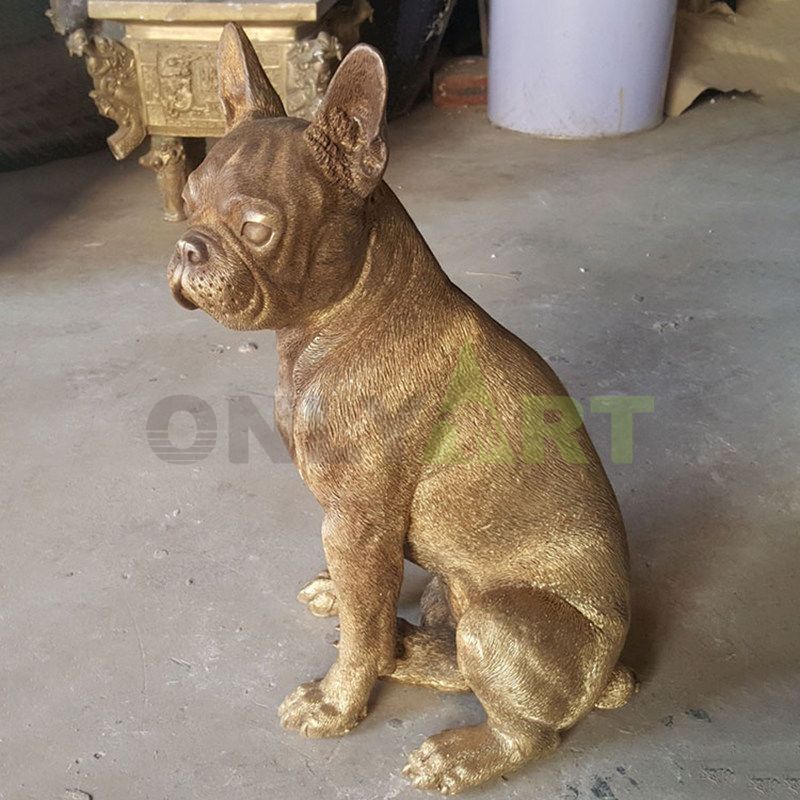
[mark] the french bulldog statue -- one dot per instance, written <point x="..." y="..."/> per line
<point x="425" y="429"/>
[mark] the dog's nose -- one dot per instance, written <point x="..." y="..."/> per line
<point x="193" y="250"/>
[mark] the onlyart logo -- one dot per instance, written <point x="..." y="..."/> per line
<point x="184" y="429"/>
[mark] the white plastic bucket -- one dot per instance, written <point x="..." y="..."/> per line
<point x="579" y="69"/>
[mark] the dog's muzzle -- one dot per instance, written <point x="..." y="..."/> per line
<point x="191" y="252"/>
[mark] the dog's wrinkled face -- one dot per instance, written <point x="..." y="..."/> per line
<point x="270" y="239"/>
<point x="277" y="209"/>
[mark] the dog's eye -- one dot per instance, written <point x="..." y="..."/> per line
<point x="256" y="232"/>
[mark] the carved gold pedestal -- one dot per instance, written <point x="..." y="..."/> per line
<point x="167" y="157"/>
<point x="160" y="78"/>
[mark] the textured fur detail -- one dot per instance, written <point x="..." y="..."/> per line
<point x="335" y="140"/>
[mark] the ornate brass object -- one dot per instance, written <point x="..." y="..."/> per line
<point x="167" y="158"/>
<point x="116" y="90"/>
<point x="160" y="78"/>
<point x="415" y="419"/>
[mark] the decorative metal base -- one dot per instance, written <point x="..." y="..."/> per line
<point x="161" y="77"/>
<point x="168" y="159"/>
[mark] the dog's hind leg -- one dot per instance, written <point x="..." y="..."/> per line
<point x="426" y="656"/>
<point x="537" y="665"/>
<point x="435" y="607"/>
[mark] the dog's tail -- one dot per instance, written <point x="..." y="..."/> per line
<point x="621" y="686"/>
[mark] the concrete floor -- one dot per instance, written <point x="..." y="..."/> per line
<point x="147" y="615"/>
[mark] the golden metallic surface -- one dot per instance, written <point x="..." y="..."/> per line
<point x="425" y="429"/>
<point x="210" y="32"/>
<point x="199" y="11"/>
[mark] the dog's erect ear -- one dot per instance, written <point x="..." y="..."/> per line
<point x="348" y="133"/>
<point x="244" y="89"/>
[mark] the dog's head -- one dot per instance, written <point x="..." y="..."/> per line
<point x="278" y="208"/>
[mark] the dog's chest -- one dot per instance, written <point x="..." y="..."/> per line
<point x="316" y="416"/>
<point x="322" y="435"/>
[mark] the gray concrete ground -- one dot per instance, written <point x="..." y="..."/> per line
<point x="147" y="615"/>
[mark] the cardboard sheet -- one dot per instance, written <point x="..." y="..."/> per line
<point x="756" y="49"/>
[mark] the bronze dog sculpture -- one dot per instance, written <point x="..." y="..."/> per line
<point x="415" y="420"/>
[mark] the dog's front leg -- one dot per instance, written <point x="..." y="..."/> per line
<point x="365" y="559"/>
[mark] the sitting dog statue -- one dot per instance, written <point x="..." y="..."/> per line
<point x="425" y="430"/>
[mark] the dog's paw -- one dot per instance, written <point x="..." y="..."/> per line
<point x="320" y="596"/>
<point x="438" y="766"/>
<point x="312" y="711"/>
<point x="457" y="759"/>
